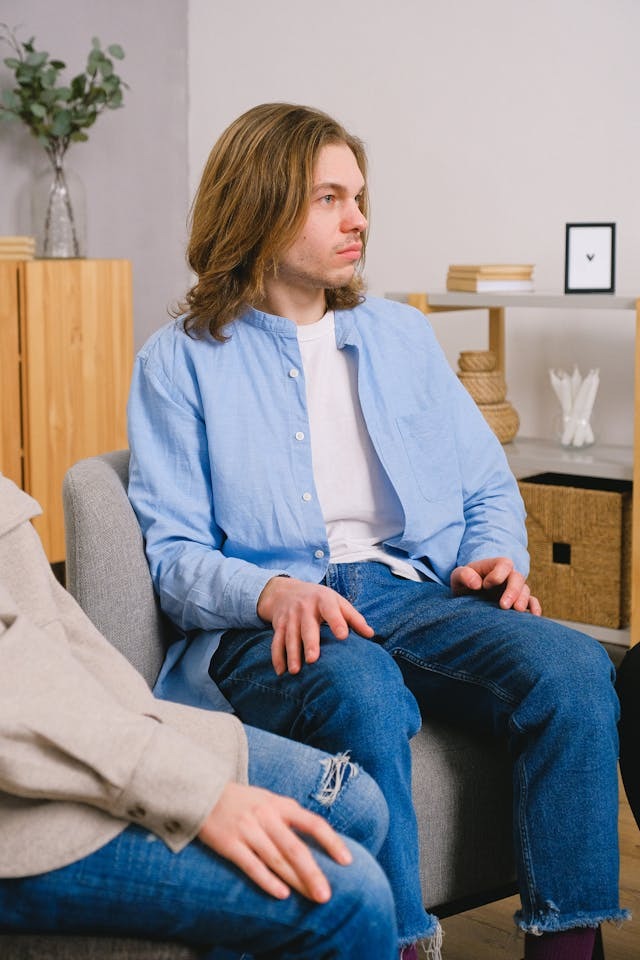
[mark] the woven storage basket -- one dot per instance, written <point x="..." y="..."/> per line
<point x="502" y="418"/>
<point x="485" y="386"/>
<point x="478" y="360"/>
<point x="580" y="544"/>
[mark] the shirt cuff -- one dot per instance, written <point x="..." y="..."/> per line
<point x="243" y="592"/>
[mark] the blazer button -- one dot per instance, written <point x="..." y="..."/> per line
<point x="173" y="826"/>
<point x="137" y="812"/>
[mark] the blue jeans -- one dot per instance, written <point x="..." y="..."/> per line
<point x="135" y="886"/>
<point x="548" y="690"/>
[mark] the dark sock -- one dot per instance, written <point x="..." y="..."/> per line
<point x="575" y="944"/>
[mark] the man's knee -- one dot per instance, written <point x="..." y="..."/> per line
<point x="353" y="801"/>
<point x="575" y="682"/>
<point x="364" y="887"/>
<point x="368" y="693"/>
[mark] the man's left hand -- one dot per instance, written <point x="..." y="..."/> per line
<point x="496" y="573"/>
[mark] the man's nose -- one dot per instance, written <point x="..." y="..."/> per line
<point x="355" y="219"/>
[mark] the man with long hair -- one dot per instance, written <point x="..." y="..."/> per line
<point x="336" y="534"/>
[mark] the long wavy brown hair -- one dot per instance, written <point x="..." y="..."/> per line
<point x="251" y="203"/>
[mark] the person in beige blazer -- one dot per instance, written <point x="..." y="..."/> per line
<point x="126" y="815"/>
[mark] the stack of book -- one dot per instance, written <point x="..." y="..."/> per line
<point x="491" y="277"/>
<point x="17" y="248"/>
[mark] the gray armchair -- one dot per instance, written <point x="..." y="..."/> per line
<point x="461" y="784"/>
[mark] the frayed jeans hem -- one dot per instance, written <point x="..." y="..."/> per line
<point x="554" y="922"/>
<point x="431" y="931"/>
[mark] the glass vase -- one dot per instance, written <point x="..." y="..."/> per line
<point x="573" y="433"/>
<point x="58" y="219"/>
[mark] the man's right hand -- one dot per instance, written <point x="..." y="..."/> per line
<point x="258" y="831"/>
<point x="296" y="609"/>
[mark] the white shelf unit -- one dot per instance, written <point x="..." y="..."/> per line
<point x="528" y="456"/>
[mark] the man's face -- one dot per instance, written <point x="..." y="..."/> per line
<point x="329" y="245"/>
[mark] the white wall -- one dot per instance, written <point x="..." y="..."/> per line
<point x="134" y="165"/>
<point x="489" y="126"/>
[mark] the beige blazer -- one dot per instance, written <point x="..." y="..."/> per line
<point x="85" y="748"/>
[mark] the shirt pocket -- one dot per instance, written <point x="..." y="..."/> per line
<point x="431" y="451"/>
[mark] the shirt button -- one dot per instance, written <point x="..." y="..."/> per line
<point x="299" y="435"/>
<point x="293" y="372"/>
<point x="319" y="554"/>
<point x="306" y="496"/>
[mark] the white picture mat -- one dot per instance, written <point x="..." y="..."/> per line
<point x="589" y="258"/>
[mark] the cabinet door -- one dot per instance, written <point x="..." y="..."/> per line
<point x="77" y="345"/>
<point x="10" y="416"/>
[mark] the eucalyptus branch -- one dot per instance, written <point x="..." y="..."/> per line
<point x="55" y="113"/>
<point x="58" y="114"/>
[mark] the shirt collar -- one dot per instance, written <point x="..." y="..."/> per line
<point x="345" y="324"/>
<point x="268" y="321"/>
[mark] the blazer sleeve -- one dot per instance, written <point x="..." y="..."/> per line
<point x="63" y="736"/>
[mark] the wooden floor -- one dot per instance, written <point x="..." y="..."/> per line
<point x="489" y="933"/>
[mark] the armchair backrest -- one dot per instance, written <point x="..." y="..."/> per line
<point x="106" y="567"/>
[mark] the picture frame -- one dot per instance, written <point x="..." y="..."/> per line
<point x="589" y="258"/>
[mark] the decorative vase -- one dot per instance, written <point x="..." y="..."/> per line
<point x="58" y="212"/>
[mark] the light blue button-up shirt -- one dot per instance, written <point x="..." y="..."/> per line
<point x="223" y="485"/>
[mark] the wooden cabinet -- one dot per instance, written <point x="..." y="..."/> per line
<point x="66" y="352"/>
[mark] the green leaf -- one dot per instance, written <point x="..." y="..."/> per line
<point x="11" y="62"/>
<point x="116" y="51"/>
<point x="78" y="85"/>
<point x="95" y="95"/>
<point x="95" y="43"/>
<point x="48" y="97"/>
<point x="58" y="64"/>
<point x="61" y="125"/>
<point x="110" y="84"/>
<point x="10" y="100"/>
<point x="78" y="136"/>
<point x="93" y="62"/>
<point x="38" y="110"/>
<point x="106" y="67"/>
<point x="25" y="73"/>
<point x="36" y="59"/>
<point x="48" y="77"/>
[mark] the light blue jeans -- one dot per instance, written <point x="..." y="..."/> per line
<point x="135" y="886"/>
<point x="548" y="690"/>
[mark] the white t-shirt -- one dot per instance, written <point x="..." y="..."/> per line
<point x="359" y="505"/>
